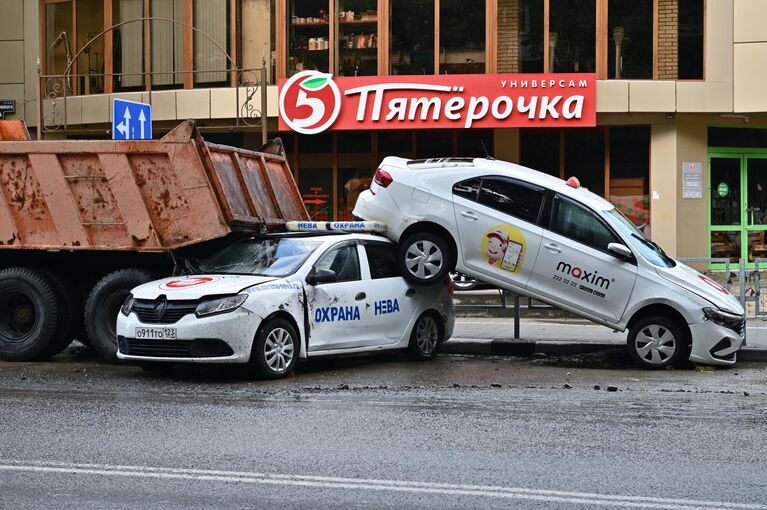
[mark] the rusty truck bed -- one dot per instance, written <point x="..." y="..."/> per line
<point x="149" y="195"/>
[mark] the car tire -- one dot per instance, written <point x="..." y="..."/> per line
<point x="656" y="342"/>
<point x="29" y="314"/>
<point x="425" y="338"/>
<point x="67" y="312"/>
<point x="275" y="350"/>
<point x="424" y="258"/>
<point x="463" y="282"/>
<point x="103" y="305"/>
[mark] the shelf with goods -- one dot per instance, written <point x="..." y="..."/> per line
<point x="308" y="36"/>
<point x="357" y="37"/>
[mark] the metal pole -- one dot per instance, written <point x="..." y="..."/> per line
<point x="516" y="316"/>
<point x="264" y="116"/>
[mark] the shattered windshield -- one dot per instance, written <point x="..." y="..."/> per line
<point x="260" y="257"/>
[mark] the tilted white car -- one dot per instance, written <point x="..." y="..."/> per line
<point x="534" y="234"/>
<point x="271" y="300"/>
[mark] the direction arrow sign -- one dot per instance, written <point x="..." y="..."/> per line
<point x="131" y="120"/>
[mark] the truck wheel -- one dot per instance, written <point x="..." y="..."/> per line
<point x="69" y="312"/>
<point x="275" y="350"/>
<point x="103" y="305"/>
<point x="424" y="259"/>
<point x="656" y="342"/>
<point x="29" y="314"/>
<point x="425" y="338"/>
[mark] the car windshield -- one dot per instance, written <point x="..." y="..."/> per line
<point x="649" y="249"/>
<point x="260" y="257"/>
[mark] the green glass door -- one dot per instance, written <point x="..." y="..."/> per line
<point x="738" y="206"/>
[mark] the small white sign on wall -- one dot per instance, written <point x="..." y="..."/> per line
<point x="692" y="179"/>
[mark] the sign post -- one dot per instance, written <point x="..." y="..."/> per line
<point x="131" y="120"/>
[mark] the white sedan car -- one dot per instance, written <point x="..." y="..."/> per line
<point x="271" y="300"/>
<point x="539" y="236"/>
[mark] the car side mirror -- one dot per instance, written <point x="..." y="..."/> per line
<point x="317" y="276"/>
<point x="620" y="249"/>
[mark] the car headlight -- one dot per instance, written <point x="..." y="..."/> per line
<point x="127" y="305"/>
<point x="220" y="305"/>
<point x="726" y="319"/>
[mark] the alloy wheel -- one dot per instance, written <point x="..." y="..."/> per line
<point x="427" y="335"/>
<point x="278" y="350"/>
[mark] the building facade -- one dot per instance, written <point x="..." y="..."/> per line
<point x="680" y="141"/>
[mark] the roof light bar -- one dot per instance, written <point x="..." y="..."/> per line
<point x="338" y="226"/>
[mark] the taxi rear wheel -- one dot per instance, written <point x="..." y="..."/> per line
<point x="425" y="338"/>
<point x="275" y="351"/>
<point x="656" y="342"/>
<point x="424" y="258"/>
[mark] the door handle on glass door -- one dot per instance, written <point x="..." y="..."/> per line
<point x="552" y="247"/>
<point x="469" y="215"/>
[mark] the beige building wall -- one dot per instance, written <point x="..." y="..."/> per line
<point x="256" y="39"/>
<point x="19" y="48"/>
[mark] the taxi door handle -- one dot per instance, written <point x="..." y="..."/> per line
<point x="552" y="247"/>
<point x="410" y="292"/>
<point x="360" y="296"/>
<point x="469" y="215"/>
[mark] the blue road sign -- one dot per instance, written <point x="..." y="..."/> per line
<point x="131" y="120"/>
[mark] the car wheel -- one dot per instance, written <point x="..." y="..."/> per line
<point x="425" y="338"/>
<point x="29" y="314"/>
<point x="103" y="306"/>
<point x="424" y="258"/>
<point x="657" y="342"/>
<point x="275" y="351"/>
<point x="463" y="282"/>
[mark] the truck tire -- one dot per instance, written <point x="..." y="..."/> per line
<point x="103" y="305"/>
<point x="69" y="312"/>
<point x="29" y="314"/>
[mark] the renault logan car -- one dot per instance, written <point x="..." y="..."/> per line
<point x="534" y="234"/>
<point x="271" y="300"/>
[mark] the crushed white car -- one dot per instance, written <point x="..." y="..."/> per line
<point x="541" y="237"/>
<point x="271" y="300"/>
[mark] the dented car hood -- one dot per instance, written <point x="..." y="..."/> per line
<point x="198" y="286"/>
<point x="702" y="286"/>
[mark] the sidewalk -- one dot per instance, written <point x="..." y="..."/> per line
<point x="556" y="337"/>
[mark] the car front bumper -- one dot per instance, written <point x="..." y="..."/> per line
<point x="713" y="344"/>
<point x="235" y="329"/>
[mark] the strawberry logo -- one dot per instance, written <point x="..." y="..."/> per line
<point x="310" y="102"/>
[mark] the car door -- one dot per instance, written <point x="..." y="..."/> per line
<point x="392" y="302"/>
<point x="574" y="266"/>
<point x="336" y="310"/>
<point x="496" y="218"/>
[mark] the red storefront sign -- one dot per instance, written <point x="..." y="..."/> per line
<point x="311" y="102"/>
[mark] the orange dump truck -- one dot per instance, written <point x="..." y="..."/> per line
<point x="84" y="221"/>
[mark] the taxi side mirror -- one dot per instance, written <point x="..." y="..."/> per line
<point x="317" y="276"/>
<point x="620" y="249"/>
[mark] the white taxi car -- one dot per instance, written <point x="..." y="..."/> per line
<point x="541" y="237"/>
<point x="271" y="300"/>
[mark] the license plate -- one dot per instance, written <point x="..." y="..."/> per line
<point x="155" y="333"/>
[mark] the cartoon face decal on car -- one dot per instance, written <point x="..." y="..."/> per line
<point x="504" y="246"/>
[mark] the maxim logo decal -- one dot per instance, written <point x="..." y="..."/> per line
<point x="581" y="275"/>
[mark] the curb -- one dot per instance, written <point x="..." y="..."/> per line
<point x="527" y="348"/>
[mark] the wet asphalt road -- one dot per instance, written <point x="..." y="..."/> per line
<point x="383" y="432"/>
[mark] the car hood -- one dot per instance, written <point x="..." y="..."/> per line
<point x="702" y="286"/>
<point x="198" y="286"/>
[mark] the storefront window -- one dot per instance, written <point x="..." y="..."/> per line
<point x="167" y="44"/>
<point x="585" y="158"/>
<point x="211" y="17"/>
<point x="395" y="143"/>
<point x="58" y="42"/>
<point x="572" y="36"/>
<point x="475" y="143"/>
<point x="539" y="150"/>
<point x="691" y="39"/>
<point x="90" y="64"/>
<point x="357" y="31"/>
<point x="412" y="37"/>
<point x="434" y="144"/>
<point x="531" y="24"/>
<point x="630" y="172"/>
<point x="630" y="39"/>
<point x="461" y="37"/>
<point x="315" y="175"/>
<point x="355" y="170"/>
<point x="308" y="36"/>
<point x="128" y="63"/>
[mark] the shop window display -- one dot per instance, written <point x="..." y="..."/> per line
<point x="309" y="36"/>
<point x="629" y="175"/>
<point x="412" y="37"/>
<point x="357" y="29"/>
<point x="461" y="37"/>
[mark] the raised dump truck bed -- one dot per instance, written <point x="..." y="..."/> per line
<point x="84" y="221"/>
<point x="153" y="195"/>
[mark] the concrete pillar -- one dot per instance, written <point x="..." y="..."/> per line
<point x="664" y="185"/>
<point x="256" y="44"/>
